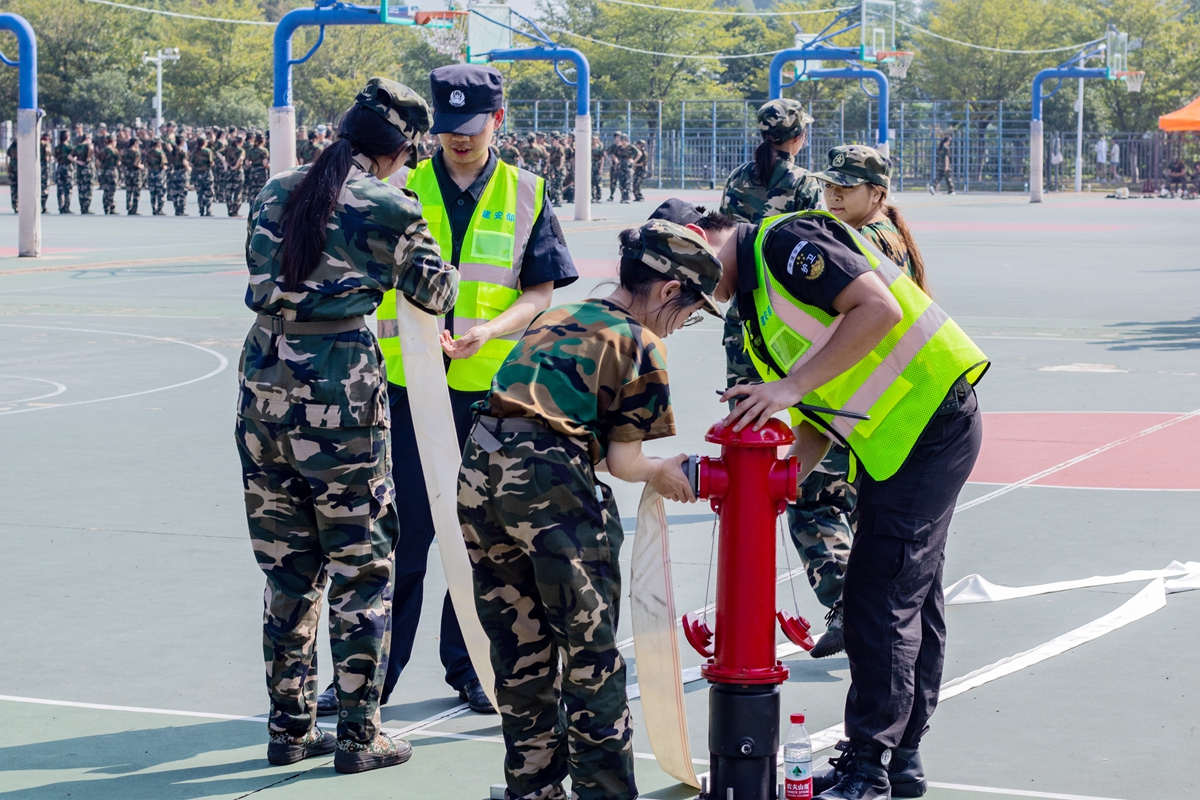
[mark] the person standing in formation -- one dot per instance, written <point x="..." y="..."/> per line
<point x="568" y="189"/>
<point x="258" y="162"/>
<point x="598" y="155"/>
<point x="12" y="173"/>
<point x="108" y="176"/>
<point x="640" y="166"/>
<point x="64" y="171"/>
<point x="533" y="156"/>
<point x="181" y="172"/>
<point x="218" y="166"/>
<point x="555" y="163"/>
<point x="494" y="223"/>
<point x="83" y="170"/>
<point x="326" y="242"/>
<point x="235" y="175"/>
<point x="156" y="176"/>
<point x="202" y="176"/>
<point x="46" y="162"/>
<point x="131" y="163"/>
<point x="586" y="385"/>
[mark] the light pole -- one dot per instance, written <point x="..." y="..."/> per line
<point x="170" y="54"/>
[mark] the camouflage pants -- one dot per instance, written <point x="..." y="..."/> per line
<point x="62" y="183"/>
<point x="177" y="190"/>
<point x="597" y="183"/>
<point x="822" y="519"/>
<point x="947" y="176"/>
<point x="822" y="522"/>
<point x="12" y="187"/>
<point x="203" y="181"/>
<point x="156" y="182"/>
<point x="235" y="184"/>
<point x="544" y="552"/>
<point x="554" y="181"/>
<point x="83" y="179"/>
<point x="133" y="190"/>
<point x="320" y="511"/>
<point x="218" y="184"/>
<point x="108" y="188"/>
<point x="624" y="178"/>
<point x="639" y="175"/>
<point x="256" y="179"/>
<point x="47" y="179"/>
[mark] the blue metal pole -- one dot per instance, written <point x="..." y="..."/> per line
<point x="26" y="58"/>
<point x="881" y="82"/>
<point x="775" y="75"/>
<point x="29" y="220"/>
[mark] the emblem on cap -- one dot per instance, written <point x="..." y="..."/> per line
<point x="838" y="160"/>
<point x="458" y="99"/>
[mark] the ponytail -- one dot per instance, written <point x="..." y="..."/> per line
<point x="915" y="262"/>
<point x="311" y="204"/>
<point x="765" y="159"/>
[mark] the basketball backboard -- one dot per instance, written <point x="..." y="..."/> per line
<point x="878" y="27"/>
<point x="486" y="31"/>
<point x="1116" y="52"/>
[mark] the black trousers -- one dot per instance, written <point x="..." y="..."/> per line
<point x="412" y="547"/>
<point x="894" y="613"/>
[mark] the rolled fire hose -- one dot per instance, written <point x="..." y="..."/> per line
<point x="437" y="442"/>
<point x="656" y="643"/>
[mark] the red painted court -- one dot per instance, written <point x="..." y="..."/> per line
<point x="1018" y="445"/>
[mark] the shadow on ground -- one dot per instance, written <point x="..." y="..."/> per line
<point x="1171" y="335"/>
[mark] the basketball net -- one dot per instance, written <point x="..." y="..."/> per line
<point x="896" y="61"/>
<point x="1133" y="80"/>
<point x="445" y="31"/>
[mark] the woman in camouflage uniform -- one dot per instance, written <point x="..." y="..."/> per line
<point x="325" y="242"/>
<point x="585" y="386"/>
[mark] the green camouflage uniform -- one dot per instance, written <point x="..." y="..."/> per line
<point x="12" y="173"/>
<point x="46" y="161"/>
<point x="235" y="178"/>
<point x="544" y="535"/>
<point x="556" y="157"/>
<point x="131" y="165"/>
<point x="156" y="178"/>
<point x="202" y="178"/>
<point x="107" y="160"/>
<point x="534" y="156"/>
<point x="177" y="180"/>
<point x="597" y="172"/>
<point x="256" y="173"/>
<point x="64" y="175"/>
<point x="84" y="175"/>
<point x="314" y="445"/>
<point x="509" y="153"/>
<point x="640" y="165"/>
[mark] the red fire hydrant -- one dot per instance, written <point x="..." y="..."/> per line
<point x="749" y="486"/>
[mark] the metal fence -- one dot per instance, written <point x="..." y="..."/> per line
<point x="697" y="143"/>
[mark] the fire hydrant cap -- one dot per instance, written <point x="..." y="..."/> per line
<point x="774" y="434"/>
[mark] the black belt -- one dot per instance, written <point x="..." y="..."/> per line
<point x="487" y="430"/>
<point x="278" y="325"/>
<point x="955" y="398"/>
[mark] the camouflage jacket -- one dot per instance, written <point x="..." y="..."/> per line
<point x="883" y="234"/>
<point x="63" y="153"/>
<point x="179" y="159"/>
<point x="791" y="188"/>
<point x="156" y="160"/>
<point x="201" y="158"/>
<point x="377" y="240"/>
<point x="255" y="156"/>
<point x="131" y="159"/>
<point x="509" y="154"/>
<point x="590" y="371"/>
<point x="107" y="157"/>
<point x="532" y="155"/>
<point x="83" y="154"/>
<point x="235" y="157"/>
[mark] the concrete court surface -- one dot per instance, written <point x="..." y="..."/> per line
<point x="130" y="610"/>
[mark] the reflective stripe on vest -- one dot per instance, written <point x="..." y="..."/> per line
<point x="900" y="384"/>
<point x="489" y="267"/>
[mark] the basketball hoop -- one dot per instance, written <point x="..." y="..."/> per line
<point x="1133" y="80"/>
<point x="446" y="31"/>
<point x="896" y="61"/>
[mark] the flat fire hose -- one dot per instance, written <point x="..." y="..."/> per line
<point x="437" y="442"/>
<point x="656" y="643"/>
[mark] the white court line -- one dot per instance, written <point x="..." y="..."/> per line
<point x="222" y="363"/>
<point x="963" y="787"/>
<point x="58" y="389"/>
<point x="1084" y="488"/>
<point x="1073" y="461"/>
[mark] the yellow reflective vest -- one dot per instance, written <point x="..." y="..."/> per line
<point x="489" y="268"/>
<point x="900" y="384"/>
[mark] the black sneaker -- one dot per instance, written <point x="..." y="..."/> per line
<point x="826" y="779"/>
<point x="473" y="695"/>
<point x="867" y="776"/>
<point x="287" y="749"/>
<point x="363" y="756"/>
<point x="832" y="641"/>
<point x="327" y="704"/>
<point x="907" y="773"/>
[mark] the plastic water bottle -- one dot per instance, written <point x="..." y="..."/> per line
<point x="797" y="762"/>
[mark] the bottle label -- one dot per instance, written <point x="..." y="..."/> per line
<point x="797" y="784"/>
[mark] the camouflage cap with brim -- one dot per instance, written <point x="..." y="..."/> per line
<point x="680" y="254"/>
<point x="783" y="120"/>
<point x="852" y="164"/>
<point x="398" y="104"/>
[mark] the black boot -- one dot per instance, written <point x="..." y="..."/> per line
<point x="473" y="695"/>
<point x="867" y="776"/>
<point x="907" y="773"/>
<point x="327" y="704"/>
<point x="826" y="779"/>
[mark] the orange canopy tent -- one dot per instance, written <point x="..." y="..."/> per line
<point x="1185" y="119"/>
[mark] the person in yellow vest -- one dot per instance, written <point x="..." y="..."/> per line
<point x="831" y="323"/>
<point x="495" y="224"/>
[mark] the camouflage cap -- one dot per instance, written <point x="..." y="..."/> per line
<point x="783" y="120"/>
<point x="852" y="164"/>
<point x="398" y="104"/>
<point x="681" y="254"/>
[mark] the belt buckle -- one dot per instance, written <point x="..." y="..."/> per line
<point x="276" y="326"/>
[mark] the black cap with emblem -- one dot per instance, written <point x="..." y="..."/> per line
<point x="463" y="96"/>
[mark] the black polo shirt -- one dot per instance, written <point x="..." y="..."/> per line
<point x="546" y="256"/>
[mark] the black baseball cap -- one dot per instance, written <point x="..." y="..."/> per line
<point x="463" y="96"/>
<point x="678" y="211"/>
